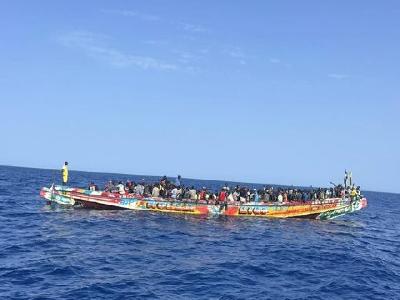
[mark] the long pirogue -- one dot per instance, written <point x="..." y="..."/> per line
<point x="320" y="209"/>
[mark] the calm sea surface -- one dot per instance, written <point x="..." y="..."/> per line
<point x="56" y="253"/>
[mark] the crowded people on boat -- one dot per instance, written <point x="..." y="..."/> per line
<point x="165" y="189"/>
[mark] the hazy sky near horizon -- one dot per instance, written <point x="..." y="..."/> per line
<point x="287" y="92"/>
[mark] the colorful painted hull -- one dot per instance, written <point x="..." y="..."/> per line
<point x="327" y="209"/>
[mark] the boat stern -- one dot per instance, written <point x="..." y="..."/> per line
<point x="54" y="195"/>
<point x="46" y="193"/>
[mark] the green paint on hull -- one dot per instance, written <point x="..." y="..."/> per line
<point x="355" y="205"/>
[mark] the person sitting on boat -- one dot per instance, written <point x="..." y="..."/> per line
<point x="280" y="198"/>
<point x="321" y="195"/>
<point x="303" y="196"/>
<point x="230" y="198"/>
<point x="129" y="186"/>
<point x="267" y="196"/>
<point x="222" y="195"/>
<point x="256" y="197"/>
<point x="109" y="186"/>
<point x="285" y="196"/>
<point x="164" y="181"/>
<point x="202" y="194"/>
<point x="162" y="192"/>
<point x="243" y="194"/>
<point x="179" y="195"/>
<point x="121" y="188"/>
<point x="207" y="196"/>
<point x="92" y="186"/>
<point x="147" y="190"/>
<point x="213" y="196"/>
<point x="328" y="193"/>
<point x="236" y="195"/>
<point x="193" y="193"/>
<point x="174" y="193"/>
<point x="139" y="189"/>
<point x="185" y="193"/>
<point x="156" y="191"/>
<point x="248" y="195"/>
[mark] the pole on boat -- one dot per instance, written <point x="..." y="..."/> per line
<point x="53" y="177"/>
<point x="350" y="178"/>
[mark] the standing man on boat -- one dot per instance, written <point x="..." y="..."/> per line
<point x="64" y="173"/>
<point x="178" y="181"/>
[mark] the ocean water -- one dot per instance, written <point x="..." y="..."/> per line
<point x="57" y="253"/>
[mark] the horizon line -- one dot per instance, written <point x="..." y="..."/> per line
<point x="115" y="173"/>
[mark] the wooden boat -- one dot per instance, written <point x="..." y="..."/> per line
<point x="324" y="209"/>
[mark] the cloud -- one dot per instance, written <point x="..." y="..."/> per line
<point x="156" y="42"/>
<point x="204" y="50"/>
<point x="237" y="54"/>
<point x="189" y="27"/>
<point x="133" y="13"/>
<point x="184" y="56"/>
<point x="338" y="76"/>
<point x="277" y="61"/>
<point x="274" y="60"/>
<point x="192" y="27"/>
<point x="93" y="45"/>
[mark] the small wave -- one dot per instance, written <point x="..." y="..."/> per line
<point x="67" y="253"/>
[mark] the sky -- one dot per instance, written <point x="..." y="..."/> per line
<point x="280" y="92"/>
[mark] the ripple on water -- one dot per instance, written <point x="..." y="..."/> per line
<point x="55" y="253"/>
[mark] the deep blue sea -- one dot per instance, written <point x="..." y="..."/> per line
<point x="57" y="253"/>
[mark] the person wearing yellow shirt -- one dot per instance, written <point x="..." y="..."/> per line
<point x="64" y="173"/>
<point x="353" y="193"/>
